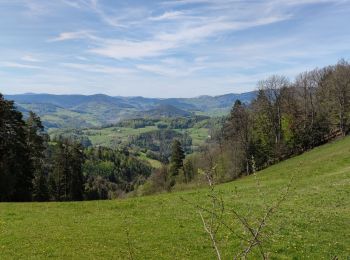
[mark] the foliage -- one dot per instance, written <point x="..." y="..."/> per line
<point x="177" y="157"/>
<point x="16" y="162"/>
<point x="286" y="118"/>
<point x="66" y="179"/>
<point x="160" y="141"/>
<point x="121" y="171"/>
<point x="32" y="168"/>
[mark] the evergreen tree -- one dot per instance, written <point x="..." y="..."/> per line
<point x="37" y="143"/>
<point x="16" y="169"/>
<point x="237" y="132"/>
<point x="66" y="180"/>
<point x="59" y="173"/>
<point x="177" y="157"/>
<point x="76" y="183"/>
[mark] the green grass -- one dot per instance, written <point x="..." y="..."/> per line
<point x="111" y="135"/>
<point x="154" y="163"/>
<point x="198" y="135"/>
<point x="313" y="223"/>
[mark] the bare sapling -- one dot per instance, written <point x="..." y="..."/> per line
<point x="214" y="220"/>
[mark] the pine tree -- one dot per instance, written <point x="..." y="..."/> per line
<point x="60" y="172"/>
<point x="177" y="157"/>
<point x="37" y="142"/>
<point x="66" y="180"/>
<point x="16" y="169"/>
<point x="237" y="132"/>
<point x="76" y="173"/>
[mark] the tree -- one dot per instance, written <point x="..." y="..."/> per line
<point x="310" y="110"/>
<point x="16" y="169"/>
<point x="270" y="103"/>
<point x="76" y="183"/>
<point x="37" y="143"/>
<point x="66" y="180"/>
<point x="237" y="132"/>
<point x="177" y="157"/>
<point x="188" y="170"/>
<point x="340" y="90"/>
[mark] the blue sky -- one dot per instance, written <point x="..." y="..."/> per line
<point x="171" y="48"/>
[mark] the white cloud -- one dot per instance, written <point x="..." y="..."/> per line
<point x="304" y="2"/>
<point x="185" y="2"/>
<point x="18" y="65"/>
<point x="176" y="67"/>
<point x="168" y="16"/>
<point x="164" y="42"/>
<point x="95" y="6"/>
<point x="132" y="49"/>
<point x="82" y="58"/>
<point x="169" y="71"/>
<point x="97" y="68"/>
<point x="30" y="58"/>
<point x="79" y="4"/>
<point x="65" y="36"/>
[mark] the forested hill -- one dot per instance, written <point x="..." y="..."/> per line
<point x="59" y="111"/>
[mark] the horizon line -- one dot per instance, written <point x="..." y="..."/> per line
<point x="96" y="94"/>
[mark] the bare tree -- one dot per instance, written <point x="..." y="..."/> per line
<point x="215" y="220"/>
<point x="340" y="82"/>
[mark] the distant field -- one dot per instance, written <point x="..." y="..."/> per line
<point x="111" y="135"/>
<point x="108" y="136"/>
<point x="314" y="222"/>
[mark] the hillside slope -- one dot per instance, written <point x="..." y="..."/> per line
<point x="314" y="221"/>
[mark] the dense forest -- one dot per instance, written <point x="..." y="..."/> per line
<point x="286" y="118"/>
<point x="33" y="168"/>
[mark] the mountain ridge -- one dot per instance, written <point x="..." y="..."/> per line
<point x="77" y="111"/>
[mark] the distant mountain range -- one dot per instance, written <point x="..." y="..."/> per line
<point x="81" y="111"/>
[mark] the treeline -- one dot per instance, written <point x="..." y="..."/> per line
<point x="33" y="168"/>
<point x="285" y="119"/>
<point x="171" y="122"/>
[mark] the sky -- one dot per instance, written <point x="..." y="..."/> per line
<point x="170" y="48"/>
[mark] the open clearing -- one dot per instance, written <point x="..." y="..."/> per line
<point x="314" y="221"/>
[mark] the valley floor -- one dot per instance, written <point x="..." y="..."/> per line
<point x="314" y="221"/>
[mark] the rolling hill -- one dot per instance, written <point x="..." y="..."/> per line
<point x="312" y="223"/>
<point x="79" y="111"/>
<point x="165" y="110"/>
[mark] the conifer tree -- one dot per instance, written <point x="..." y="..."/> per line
<point x="16" y="170"/>
<point x="66" y="182"/>
<point x="177" y="157"/>
<point x="37" y="143"/>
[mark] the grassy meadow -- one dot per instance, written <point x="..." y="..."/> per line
<point x="313" y="222"/>
<point x="114" y="135"/>
<point x="111" y="135"/>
